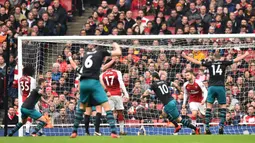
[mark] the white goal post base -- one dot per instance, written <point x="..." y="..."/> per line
<point x="145" y="129"/>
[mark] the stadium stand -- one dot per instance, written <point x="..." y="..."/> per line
<point x="26" y="18"/>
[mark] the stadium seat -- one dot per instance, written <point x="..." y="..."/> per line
<point x="132" y="122"/>
<point x="251" y="56"/>
<point x="215" y="120"/>
<point x="161" y="121"/>
<point x="135" y="14"/>
<point x="2" y="2"/>
<point x="172" y="29"/>
<point x="155" y="121"/>
<point x="150" y="17"/>
<point x="167" y="17"/>
<point x="159" y="106"/>
<point x="66" y="4"/>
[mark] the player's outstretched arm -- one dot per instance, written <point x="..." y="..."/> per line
<point x="204" y="90"/>
<point x="146" y="93"/>
<point x="73" y="64"/>
<point x="116" y="50"/>
<point x="122" y="85"/>
<point x="241" y="57"/>
<point x="191" y="59"/>
<point x="185" y="96"/>
<point x="106" y="66"/>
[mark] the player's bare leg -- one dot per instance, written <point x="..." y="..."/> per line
<point x="17" y="127"/>
<point x="194" y="117"/>
<point x="28" y="125"/>
<point x="110" y="119"/>
<point x="222" y="118"/>
<point x="208" y="116"/>
<point x="40" y="125"/>
<point x="87" y="119"/>
<point x="187" y="123"/>
<point x="98" y="120"/>
<point x="78" y="117"/>
<point x="120" y="117"/>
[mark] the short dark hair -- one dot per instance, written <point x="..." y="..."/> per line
<point x="156" y="75"/>
<point x="41" y="80"/>
<point x="28" y="70"/>
<point x="189" y="71"/>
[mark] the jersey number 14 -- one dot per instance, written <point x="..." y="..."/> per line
<point x="217" y="70"/>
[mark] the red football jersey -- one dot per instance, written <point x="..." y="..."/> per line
<point x="194" y="91"/>
<point x="27" y="84"/>
<point x="249" y="119"/>
<point x="111" y="79"/>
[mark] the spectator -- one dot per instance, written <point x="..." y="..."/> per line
<point x="123" y="6"/>
<point x="31" y="20"/>
<point x="12" y="118"/>
<point x="3" y="15"/>
<point x="48" y="120"/>
<point x="18" y="15"/>
<point x="137" y="4"/>
<point x="15" y="3"/>
<point x="105" y="7"/>
<point x="172" y="21"/>
<point x="56" y="74"/>
<point x="61" y="12"/>
<point x="148" y="9"/>
<point x="63" y="118"/>
<point x="24" y="9"/>
<point x="2" y="65"/>
<point x="43" y="4"/>
<point x="48" y="24"/>
<point x="62" y="87"/>
<point x="229" y="120"/>
<point x="71" y="110"/>
<point x="250" y="117"/>
<point x="71" y="76"/>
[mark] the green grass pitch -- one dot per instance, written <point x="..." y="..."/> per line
<point x="136" y="139"/>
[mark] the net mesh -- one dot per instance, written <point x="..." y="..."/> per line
<point x="140" y="58"/>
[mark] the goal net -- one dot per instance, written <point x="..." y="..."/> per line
<point x="143" y="55"/>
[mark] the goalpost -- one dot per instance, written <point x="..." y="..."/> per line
<point x="141" y="54"/>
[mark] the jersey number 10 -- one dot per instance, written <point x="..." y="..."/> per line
<point x="217" y="70"/>
<point x="163" y="88"/>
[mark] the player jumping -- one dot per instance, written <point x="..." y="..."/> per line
<point x="216" y="88"/>
<point x="28" y="109"/>
<point x="90" y="87"/>
<point x="113" y="84"/>
<point x="197" y="93"/>
<point x="162" y="92"/>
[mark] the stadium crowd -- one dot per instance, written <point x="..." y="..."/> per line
<point x="138" y="17"/>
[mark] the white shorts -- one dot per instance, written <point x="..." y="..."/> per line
<point x="116" y="103"/>
<point x="196" y="106"/>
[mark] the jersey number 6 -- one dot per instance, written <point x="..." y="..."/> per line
<point x="88" y="62"/>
